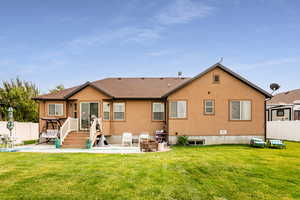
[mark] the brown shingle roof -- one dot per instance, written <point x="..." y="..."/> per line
<point x="125" y="87"/>
<point x="142" y="87"/>
<point x="286" y="97"/>
<point x="57" y="95"/>
<point x="139" y="87"/>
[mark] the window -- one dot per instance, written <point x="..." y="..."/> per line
<point x="75" y="110"/>
<point x="106" y="111"/>
<point x="240" y="110"/>
<point x="158" y="111"/>
<point x="177" y="109"/>
<point x="280" y="113"/>
<point x="119" y="111"/>
<point x="55" y="110"/>
<point x="209" y="107"/>
<point x="216" y="78"/>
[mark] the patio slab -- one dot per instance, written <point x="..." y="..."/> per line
<point x="43" y="148"/>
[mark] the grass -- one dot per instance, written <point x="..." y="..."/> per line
<point x="208" y="172"/>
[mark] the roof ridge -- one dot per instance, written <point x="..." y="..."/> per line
<point x="288" y="91"/>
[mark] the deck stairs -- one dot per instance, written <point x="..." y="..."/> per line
<point x="76" y="139"/>
<point x="72" y="137"/>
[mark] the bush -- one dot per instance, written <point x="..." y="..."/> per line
<point x="30" y="142"/>
<point x="182" y="140"/>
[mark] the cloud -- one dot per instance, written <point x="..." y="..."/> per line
<point x="121" y="35"/>
<point x="269" y="63"/>
<point x="183" y="11"/>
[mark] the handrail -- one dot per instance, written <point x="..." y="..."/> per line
<point x="93" y="129"/>
<point x="71" y="124"/>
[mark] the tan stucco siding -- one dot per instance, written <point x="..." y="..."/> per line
<point x="90" y="94"/>
<point x="209" y="125"/>
<point x="44" y="112"/>
<point x="138" y="119"/>
<point x="138" y="113"/>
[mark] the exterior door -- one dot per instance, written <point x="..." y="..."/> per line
<point x="88" y="111"/>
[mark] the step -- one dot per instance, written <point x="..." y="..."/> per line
<point x="77" y="134"/>
<point x="76" y="138"/>
<point x="74" y="146"/>
<point x="74" y="142"/>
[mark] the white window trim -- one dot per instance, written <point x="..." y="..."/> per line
<point x="55" y="107"/>
<point x="241" y="110"/>
<point x="212" y="106"/>
<point x="177" y="117"/>
<point x="163" y="111"/>
<point x="123" y="111"/>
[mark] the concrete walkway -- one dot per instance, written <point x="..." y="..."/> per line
<point x="44" y="148"/>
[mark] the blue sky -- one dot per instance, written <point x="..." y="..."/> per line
<point x="70" y="42"/>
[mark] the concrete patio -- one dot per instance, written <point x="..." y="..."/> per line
<point x="110" y="149"/>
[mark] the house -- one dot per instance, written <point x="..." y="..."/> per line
<point x="216" y="106"/>
<point x="284" y="106"/>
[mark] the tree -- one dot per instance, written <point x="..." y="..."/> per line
<point x="57" y="88"/>
<point x="18" y="94"/>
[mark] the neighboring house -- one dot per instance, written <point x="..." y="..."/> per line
<point x="218" y="106"/>
<point x="284" y="106"/>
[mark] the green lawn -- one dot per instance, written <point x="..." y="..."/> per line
<point x="208" y="172"/>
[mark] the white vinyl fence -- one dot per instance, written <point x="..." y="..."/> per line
<point x="284" y="130"/>
<point x="22" y="131"/>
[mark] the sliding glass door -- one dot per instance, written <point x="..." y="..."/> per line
<point x="88" y="111"/>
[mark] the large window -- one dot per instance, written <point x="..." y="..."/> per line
<point x="55" y="109"/>
<point x="158" y="111"/>
<point x="240" y="110"/>
<point x="209" y="107"/>
<point x="178" y="109"/>
<point x="106" y="111"/>
<point x="119" y="111"/>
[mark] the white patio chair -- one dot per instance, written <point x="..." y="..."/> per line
<point x="127" y="138"/>
<point x="143" y="136"/>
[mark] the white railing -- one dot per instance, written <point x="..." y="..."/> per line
<point x="93" y="129"/>
<point x="71" y="124"/>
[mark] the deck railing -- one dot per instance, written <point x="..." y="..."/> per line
<point x="93" y="129"/>
<point x="71" y="124"/>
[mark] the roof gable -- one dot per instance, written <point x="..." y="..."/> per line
<point x="80" y="88"/>
<point x="218" y="65"/>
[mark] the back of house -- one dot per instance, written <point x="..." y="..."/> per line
<point x="217" y="106"/>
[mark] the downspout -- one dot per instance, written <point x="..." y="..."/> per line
<point x="265" y="111"/>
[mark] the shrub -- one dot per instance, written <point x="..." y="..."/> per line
<point x="182" y="140"/>
<point x="30" y="142"/>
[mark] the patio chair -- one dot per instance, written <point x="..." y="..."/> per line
<point x="257" y="142"/>
<point x="127" y="138"/>
<point x="143" y="136"/>
<point x="278" y="144"/>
